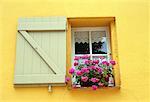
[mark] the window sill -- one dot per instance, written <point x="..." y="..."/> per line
<point x="69" y="87"/>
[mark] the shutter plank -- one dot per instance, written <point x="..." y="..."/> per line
<point x="39" y="78"/>
<point x="49" y="62"/>
<point x="27" y="66"/>
<point x="45" y="46"/>
<point x="37" y="23"/>
<point x="36" y="65"/>
<point x="54" y="45"/>
<point x="62" y="51"/>
<point x="19" y="54"/>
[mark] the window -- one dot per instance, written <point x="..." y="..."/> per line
<point x="90" y="27"/>
<point x="93" y="41"/>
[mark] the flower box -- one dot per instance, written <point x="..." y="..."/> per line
<point x="92" y="73"/>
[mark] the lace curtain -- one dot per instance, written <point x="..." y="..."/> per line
<point x="82" y="36"/>
<point x="82" y="42"/>
<point x="98" y="40"/>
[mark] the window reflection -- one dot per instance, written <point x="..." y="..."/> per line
<point x="99" y="42"/>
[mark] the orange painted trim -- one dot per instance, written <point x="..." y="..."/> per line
<point x="90" y="21"/>
<point x="68" y="46"/>
<point x="114" y="50"/>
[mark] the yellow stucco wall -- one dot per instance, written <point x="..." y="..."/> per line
<point x="132" y="31"/>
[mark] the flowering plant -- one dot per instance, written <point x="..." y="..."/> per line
<point x="92" y="73"/>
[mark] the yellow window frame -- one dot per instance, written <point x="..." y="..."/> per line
<point x="95" y="22"/>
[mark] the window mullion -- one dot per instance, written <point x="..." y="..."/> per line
<point x="108" y="44"/>
<point x="90" y="44"/>
<point x="73" y="47"/>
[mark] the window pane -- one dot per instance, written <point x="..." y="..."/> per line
<point x="99" y="44"/>
<point x="81" y="42"/>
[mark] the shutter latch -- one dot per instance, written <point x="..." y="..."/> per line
<point x="49" y="88"/>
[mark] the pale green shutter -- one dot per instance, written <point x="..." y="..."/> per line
<point x="41" y="51"/>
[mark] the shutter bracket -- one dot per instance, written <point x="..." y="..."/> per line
<point x="49" y="88"/>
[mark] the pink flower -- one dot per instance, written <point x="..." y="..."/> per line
<point x="67" y="79"/>
<point x="74" y="86"/>
<point x="79" y="73"/>
<point x="87" y="71"/>
<point x="90" y="62"/>
<point x="99" y="69"/>
<point x="86" y="62"/>
<point x="85" y="57"/>
<point x="75" y="63"/>
<point x="101" y="84"/>
<point x="107" y="78"/>
<point x="76" y="58"/>
<point x="84" y="70"/>
<point x="82" y="57"/>
<point x="105" y="63"/>
<point x="112" y="62"/>
<point x="84" y="78"/>
<point x="101" y="57"/>
<point x="94" y="87"/>
<point x="71" y="71"/>
<point x="94" y="80"/>
<point x="93" y="67"/>
<point x="97" y="80"/>
<point x="95" y="61"/>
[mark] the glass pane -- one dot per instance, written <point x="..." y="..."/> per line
<point x="99" y="44"/>
<point x="82" y="42"/>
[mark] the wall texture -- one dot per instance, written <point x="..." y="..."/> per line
<point x="132" y="30"/>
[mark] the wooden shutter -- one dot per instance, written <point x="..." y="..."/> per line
<point x="41" y="51"/>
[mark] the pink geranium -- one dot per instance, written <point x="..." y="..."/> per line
<point x="86" y="62"/>
<point x="99" y="69"/>
<point x="97" y="80"/>
<point x="85" y="70"/>
<point x="74" y="86"/>
<point x="112" y="62"/>
<point x="107" y="78"/>
<point x="76" y="63"/>
<point x="91" y="73"/>
<point x="79" y="73"/>
<point x="105" y="63"/>
<point x="93" y="67"/>
<point x="94" y="87"/>
<point x="85" y="57"/>
<point x="101" y="57"/>
<point x="84" y="78"/>
<point x="76" y="58"/>
<point x="72" y="70"/>
<point x="67" y="79"/>
<point x="101" y="84"/>
<point x="95" y="61"/>
<point x="94" y="80"/>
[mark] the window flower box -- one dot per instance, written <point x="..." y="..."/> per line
<point x="92" y="73"/>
